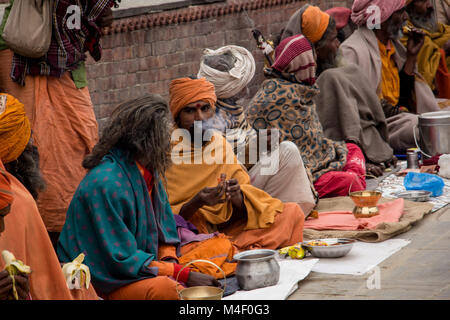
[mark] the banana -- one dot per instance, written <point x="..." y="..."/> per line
<point x="76" y="273"/>
<point x="14" y="267"/>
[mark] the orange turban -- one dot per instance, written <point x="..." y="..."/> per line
<point x="15" y="129"/>
<point x="184" y="91"/>
<point x="314" y="23"/>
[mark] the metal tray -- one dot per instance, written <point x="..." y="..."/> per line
<point x="338" y="247"/>
<point x="418" y="196"/>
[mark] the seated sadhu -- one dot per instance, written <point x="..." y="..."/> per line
<point x="230" y="69"/>
<point x="285" y="101"/>
<point x="348" y="107"/>
<point x="121" y="220"/>
<point x="391" y="67"/>
<point x="208" y="187"/>
<point x="22" y="231"/>
<point x="433" y="60"/>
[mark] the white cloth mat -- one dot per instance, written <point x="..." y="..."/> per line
<point x="291" y="272"/>
<point x="362" y="258"/>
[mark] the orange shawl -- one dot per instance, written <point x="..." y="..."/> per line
<point x="185" y="179"/>
<point x="26" y="237"/>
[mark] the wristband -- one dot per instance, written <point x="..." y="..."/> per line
<point x="184" y="275"/>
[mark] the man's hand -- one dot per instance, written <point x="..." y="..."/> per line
<point x="210" y="196"/>
<point x="233" y="192"/>
<point x="392" y="162"/>
<point x="416" y="39"/>
<point x="6" y="285"/>
<point x="106" y="19"/>
<point x="200" y="279"/>
<point x="373" y="170"/>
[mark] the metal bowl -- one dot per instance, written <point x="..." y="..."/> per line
<point x="418" y="196"/>
<point x="337" y="247"/>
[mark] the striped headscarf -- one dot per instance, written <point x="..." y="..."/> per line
<point x="361" y="10"/>
<point x="295" y="55"/>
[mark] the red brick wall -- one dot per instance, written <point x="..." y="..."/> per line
<point x="136" y="62"/>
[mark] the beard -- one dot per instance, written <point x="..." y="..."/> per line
<point x="332" y="61"/>
<point x="427" y="22"/>
<point x="395" y="31"/>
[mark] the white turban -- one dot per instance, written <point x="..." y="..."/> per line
<point x="229" y="84"/>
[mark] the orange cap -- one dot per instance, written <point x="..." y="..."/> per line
<point x="314" y="23"/>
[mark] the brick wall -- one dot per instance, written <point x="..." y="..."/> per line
<point x="139" y="58"/>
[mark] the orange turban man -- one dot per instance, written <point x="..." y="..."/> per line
<point x="15" y="130"/>
<point x="309" y="21"/>
<point x="184" y="91"/>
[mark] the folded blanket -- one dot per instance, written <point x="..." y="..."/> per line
<point x="345" y="220"/>
<point x="413" y="212"/>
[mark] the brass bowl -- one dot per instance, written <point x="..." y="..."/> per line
<point x="201" y="293"/>
<point x="365" y="203"/>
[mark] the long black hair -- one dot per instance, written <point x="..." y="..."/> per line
<point x="141" y="127"/>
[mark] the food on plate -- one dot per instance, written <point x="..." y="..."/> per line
<point x="317" y="243"/>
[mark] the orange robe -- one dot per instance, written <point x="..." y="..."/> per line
<point x="270" y="223"/>
<point x="64" y="129"/>
<point x="390" y="77"/>
<point x="26" y="237"/>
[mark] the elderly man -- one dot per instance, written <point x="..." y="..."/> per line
<point x="433" y="59"/>
<point x="230" y="69"/>
<point x="207" y="185"/>
<point x="346" y="95"/>
<point x="55" y="93"/>
<point x="390" y="66"/>
<point x="22" y="231"/>
<point x="120" y="216"/>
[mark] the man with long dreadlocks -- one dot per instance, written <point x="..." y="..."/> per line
<point x="121" y="219"/>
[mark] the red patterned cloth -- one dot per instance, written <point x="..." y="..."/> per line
<point x="352" y="177"/>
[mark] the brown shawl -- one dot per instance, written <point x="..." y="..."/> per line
<point x="349" y="109"/>
<point x="289" y="107"/>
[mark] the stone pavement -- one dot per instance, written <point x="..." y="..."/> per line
<point x="421" y="270"/>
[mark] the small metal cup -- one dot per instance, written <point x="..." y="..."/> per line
<point x="412" y="159"/>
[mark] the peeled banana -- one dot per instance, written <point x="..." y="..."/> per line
<point x="295" y="252"/>
<point x="76" y="273"/>
<point x="14" y="267"/>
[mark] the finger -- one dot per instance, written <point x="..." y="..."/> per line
<point x="233" y="189"/>
<point x="22" y="281"/>
<point x="4" y="275"/>
<point x="4" y="290"/>
<point x="232" y="182"/>
<point x="216" y="283"/>
<point x="22" y="293"/>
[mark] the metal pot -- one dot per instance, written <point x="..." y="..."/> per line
<point x="257" y="269"/>
<point x="434" y="133"/>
